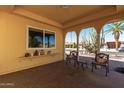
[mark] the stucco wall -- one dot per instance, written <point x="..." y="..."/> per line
<point x="13" y="43"/>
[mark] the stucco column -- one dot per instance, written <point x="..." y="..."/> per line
<point x="98" y="42"/>
<point x="98" y="29"/>
<point x="77" y="44"/>
<point x="64" y="36"/>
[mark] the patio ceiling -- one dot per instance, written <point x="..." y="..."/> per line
<point x="120" y="8"/>
<point x="65" y="14"/>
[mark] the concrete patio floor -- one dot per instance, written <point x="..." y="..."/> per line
<point x="60" y="75"/>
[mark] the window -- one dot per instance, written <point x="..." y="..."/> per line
<point x="35" y="38"/>
<point x="38" y="38"/>
<point x="49" y="39"/>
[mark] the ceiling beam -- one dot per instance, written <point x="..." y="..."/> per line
<point x="91" y="16"/>
<point x="33" y="16"/>
<point x="8" y="8"/>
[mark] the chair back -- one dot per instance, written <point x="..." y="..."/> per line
<point x="102" y="58"/>
<point x="74" y="55"/>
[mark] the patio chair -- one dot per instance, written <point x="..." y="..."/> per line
<point x="68" y="58"/>
<point x="102" y="60"/>
<point x="73" y="57"/>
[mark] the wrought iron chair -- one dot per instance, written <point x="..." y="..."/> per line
<point x="68" y="58"/>
<point x="102" y="60"/>
<point x="73" y="57"/>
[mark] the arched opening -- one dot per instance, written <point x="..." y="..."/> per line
<point x="112" y="39"/>
<point x="70" y="42"/>
<point x="87" y="41"/>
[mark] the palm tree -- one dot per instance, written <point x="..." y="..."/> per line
<point x="116" y="28"/>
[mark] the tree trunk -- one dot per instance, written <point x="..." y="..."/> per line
<point x="116" y="36"/>
<point x="116" y="44"/>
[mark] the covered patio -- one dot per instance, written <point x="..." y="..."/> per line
<point x="33" y="46"/>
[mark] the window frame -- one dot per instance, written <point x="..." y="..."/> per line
<point x="44" y="30"/>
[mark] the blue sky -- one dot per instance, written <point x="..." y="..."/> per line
<point x="52" y="40"/>
<point x="71" y="36"/>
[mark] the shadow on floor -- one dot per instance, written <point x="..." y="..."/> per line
<point x="60" y="75"/>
